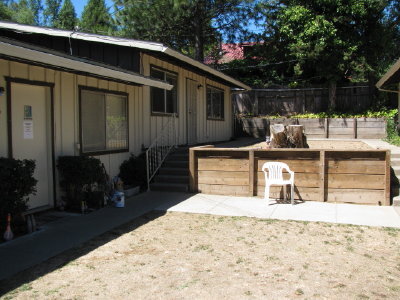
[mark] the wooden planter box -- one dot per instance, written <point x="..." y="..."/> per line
<point x="343" y="128"/>
<point x="357" y="176"/>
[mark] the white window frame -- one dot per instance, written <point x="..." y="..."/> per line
<point x="213" y="116"/>
<point x="165" y="92"/>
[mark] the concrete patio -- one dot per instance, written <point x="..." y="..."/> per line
<point x="302" y="211"/>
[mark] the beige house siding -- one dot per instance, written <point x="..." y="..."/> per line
<point x="66" y="113"/>
<point x="207" y="130"/>
<point x="143" y="127"/>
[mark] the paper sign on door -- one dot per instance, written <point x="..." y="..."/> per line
<point x="28" y="130"/>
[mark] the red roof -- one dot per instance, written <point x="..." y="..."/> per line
<point x="230" y="52"/>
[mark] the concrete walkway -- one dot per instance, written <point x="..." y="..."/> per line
<point x="302" y="211"/>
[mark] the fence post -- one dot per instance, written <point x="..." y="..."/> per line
<point x="251" y="173"/>
<point x="193" y="186"/>
<point x="387" y="178"/>
<point x="326" y="123"/>
<point x="322" y="175"/>
<point x="355" y="128"/>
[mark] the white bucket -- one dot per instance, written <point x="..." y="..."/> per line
<point x="119" y="199"/>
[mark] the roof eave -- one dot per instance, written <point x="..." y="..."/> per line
<point x="205" y="68"/>
<point x="74" y="64"/>
<point x="388" y="74"/>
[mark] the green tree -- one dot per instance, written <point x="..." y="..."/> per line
<point x="51" y="12"/>
<point x="26" y="11"/>
<point x="191" y="26"/>
<point x="330" y="41"/>
<point x="67" y="16"/>
<point x="96" y="18"/>
<point x="5" y="13"/>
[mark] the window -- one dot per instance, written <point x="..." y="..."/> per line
<point x="163" y="101"/>
<point x="104" y="121"/>
<point x="215" y="103"/>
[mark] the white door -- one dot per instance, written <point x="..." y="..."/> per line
<point x="191" y="100"/>
<point x="31" y="136"/>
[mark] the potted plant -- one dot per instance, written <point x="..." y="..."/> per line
<point x="17" y="183"/>
<point x="83" y="180"/>
<point x="133" y="173"/>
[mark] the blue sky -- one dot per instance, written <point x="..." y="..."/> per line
<point x="79" y="5"/>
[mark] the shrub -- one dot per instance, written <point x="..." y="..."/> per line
<point x="17" y="183"/>
<point x="392" y="132"/>
<point x="133" y="171"/>
<point x="81" y="178"/>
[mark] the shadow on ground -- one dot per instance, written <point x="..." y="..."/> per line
<point x="70" y="255"/>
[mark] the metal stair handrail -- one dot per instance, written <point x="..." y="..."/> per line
<point x="160" y="148"/>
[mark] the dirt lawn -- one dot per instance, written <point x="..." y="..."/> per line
<point x="328" y="145"/>
<point x="192" y="256"/>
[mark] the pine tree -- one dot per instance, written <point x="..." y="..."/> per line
<point x="96" y="18"/>
<point x="67" y="16"/>
<point x="5" y="13"/>
<point x="21" y="12"/>
<point x="190" y="26"/>
<point x="51" y="12"/>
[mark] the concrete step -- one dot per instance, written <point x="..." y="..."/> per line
<point x="172" y="179"/>
<point x="178" y="156"/>
<point x="396" y="170"/>
<point x="181" y="150"/>
<point x="396" y="201"/>
<point x="169" y="187"/>
<point x="176" y="164"/>
<point x="395" y="162"/>
<point x="394" y="155"/>
<point x="174" y="171"/>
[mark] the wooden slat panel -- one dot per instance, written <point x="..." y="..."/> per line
<point x="341" y="131"/>
<point x="359" y="181"/>
<point x="300" y="193"/>
<point x="300" y="179"/>
<point x="356" y="166"/>
<point x="224" y="190"/>
<point x="297" y="166"/>
<point x="225" y="178"/>
<point x="371" y="131"/>
<point x="371" y="124"/>
<point x="361" y="196"/>
<point x="225" y="164"/>
<point x="343" y="123"/>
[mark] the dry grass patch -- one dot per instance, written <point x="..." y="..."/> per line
<point x="179" y="255"/>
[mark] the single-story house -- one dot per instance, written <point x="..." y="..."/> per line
<point x="390" y="82"/>
<point x="72" y="93"/>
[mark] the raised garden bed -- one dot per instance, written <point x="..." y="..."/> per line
<point x="351" y="176"/>
<point x="343" y="128"/>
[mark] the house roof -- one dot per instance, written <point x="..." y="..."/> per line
<point x="391" y="76"/>
<point x="27" y="53"/>
<point x="144" y="45"/>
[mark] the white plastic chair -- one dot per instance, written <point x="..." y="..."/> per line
<point x="274" y="176"/>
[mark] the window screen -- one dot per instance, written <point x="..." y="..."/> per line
<point x="104" y="123"/>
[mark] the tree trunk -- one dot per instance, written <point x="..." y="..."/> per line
<point x="198" y="32"/>
<point x="332" y="95"/>
<point x="278" y="136"/>
<point x="296" y="137"/>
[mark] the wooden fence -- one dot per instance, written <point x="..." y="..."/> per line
<point x="343" y="128"/>
<point x="360" y="176"/>
<point x="292" y="101"/>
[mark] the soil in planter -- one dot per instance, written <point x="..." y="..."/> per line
<point x="327" y="145"/>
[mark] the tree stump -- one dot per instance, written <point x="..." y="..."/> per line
<point x="296" y="137"/>
<point x="278" y="136"/>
